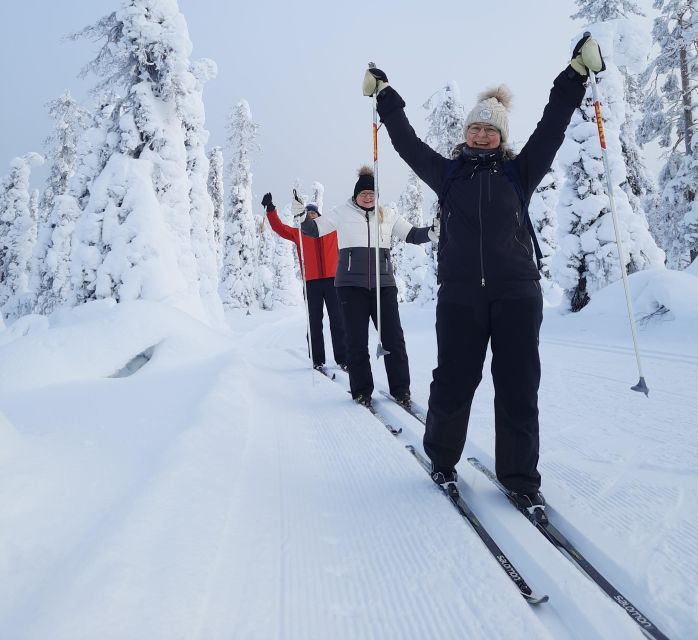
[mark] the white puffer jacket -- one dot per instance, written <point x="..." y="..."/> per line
<point x="356" y="241"/>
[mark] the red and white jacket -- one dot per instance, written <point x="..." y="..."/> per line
<point x="320" y="254"/>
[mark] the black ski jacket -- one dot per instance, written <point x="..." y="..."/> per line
<point x="484" y="239"/>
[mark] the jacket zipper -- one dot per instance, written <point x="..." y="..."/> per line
<point x="479" y="214"/>
<point x="368" y="232"/>
<point x="349" y="267"/>
<point x="321" y="260"/>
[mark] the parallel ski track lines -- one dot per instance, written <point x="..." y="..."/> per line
<point x="666" y="356"/>
<point x="407" y="570"/>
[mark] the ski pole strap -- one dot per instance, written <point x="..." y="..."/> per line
<point x="536" y="246"/>
<point x="510" y="171"/>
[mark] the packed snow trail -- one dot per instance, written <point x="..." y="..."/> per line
<point x="245" y="508"/>
<point x="240" y="495"/>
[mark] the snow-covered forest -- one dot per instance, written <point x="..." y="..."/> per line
<point x="139" y="206"/>
<point x="147" y="245"/>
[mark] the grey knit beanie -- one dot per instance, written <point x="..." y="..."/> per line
<point x="492" y="108"/>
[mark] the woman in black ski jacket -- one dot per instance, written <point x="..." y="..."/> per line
<point x="489" y="282"/>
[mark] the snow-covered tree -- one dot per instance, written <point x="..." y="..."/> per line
<point x="414" y="273"/>
<point x="134" y="237"/>
<point x="217" y="192"/>
<point x="238" y="285"/>
<point x="541" y="210"/>
<point x="18" y="211"/>
<point x="287" y="288"/>
<point x="265" y="262"/>
<point x="587" y="258"/>
<point x="445" y="131"/>
<point x="670" y="86"/>
<point x="50" y="262"/>
<point x="191" y="107"/>
<point x="318" y="195"/>
<point x="446" y="120"/>
<point x="604" y="10"/>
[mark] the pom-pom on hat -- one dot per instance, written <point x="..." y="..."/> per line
<point x="492" y="108"/>
<point x="365" y="181"/>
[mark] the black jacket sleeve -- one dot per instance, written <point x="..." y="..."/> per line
<point x="429" y="165"/>
<point x="418" y="235"/>
<point x="539" y="152"/>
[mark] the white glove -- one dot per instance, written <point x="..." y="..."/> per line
<point x="298" y="210"/>
<point x="435" y="230"/>
<point x="374" y="81"/>
<point x="587" y="56"/>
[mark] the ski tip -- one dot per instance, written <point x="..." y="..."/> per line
<point x="531" y="599"/>
<point x="642" y="387"/>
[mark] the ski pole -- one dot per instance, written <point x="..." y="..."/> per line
<point x="641" y="385"/>
<point x="305" y="288"/>
<point x="380" y="351"/>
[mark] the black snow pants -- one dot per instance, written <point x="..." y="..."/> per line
<point x="510" y="320"/>
<point x="358" y="305"/>
<point x="322" y="291"/>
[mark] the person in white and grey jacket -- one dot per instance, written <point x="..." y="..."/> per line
<point x="355" y="281"/>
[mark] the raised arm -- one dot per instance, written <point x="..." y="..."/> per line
<point x="565" y="96"/>
<point x="429" y="165"/>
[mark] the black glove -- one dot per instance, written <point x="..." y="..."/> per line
<point x="586" y="56"/>
<point x="375" y="81"/>
<point x="266" y="202"/>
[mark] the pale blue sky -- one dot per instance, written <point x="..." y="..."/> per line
<point x="300" y="67"/>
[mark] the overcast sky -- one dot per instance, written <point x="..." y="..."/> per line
<point x="300" y="66"/>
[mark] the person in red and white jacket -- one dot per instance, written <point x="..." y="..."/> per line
<point x="320" y="266"/>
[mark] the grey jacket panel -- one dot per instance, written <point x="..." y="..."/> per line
<point x="357" y="268"/>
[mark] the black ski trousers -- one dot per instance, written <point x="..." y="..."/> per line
<point x="322" y="292"/>
<point x="510" y="321"/>
<point x="358" y="305"/>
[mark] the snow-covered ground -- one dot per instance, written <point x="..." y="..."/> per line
<point x="222" y="490"/>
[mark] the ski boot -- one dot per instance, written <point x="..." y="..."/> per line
<point x="533" y="503"/>
<point x="443" y="476"/>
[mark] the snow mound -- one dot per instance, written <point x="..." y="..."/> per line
<point x="673" y="295"/>
<point x="98" y="340"/>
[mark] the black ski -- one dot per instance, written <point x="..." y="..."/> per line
<point x="411" y="409"/>
<point x="325" y="372"/>
<point x="396" y="431"/>
<point x="451" y="491"/>
<point x="560" y="541"/>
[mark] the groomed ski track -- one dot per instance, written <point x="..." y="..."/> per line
<point x="263" y="503"/>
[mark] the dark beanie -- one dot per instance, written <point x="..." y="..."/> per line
<point x="365" y="181"/>
<point x="311" y="206"/>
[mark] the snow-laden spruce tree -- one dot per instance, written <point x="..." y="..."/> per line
<point x="191" y="107"/>
<point x="134" y="237"/>
<point x="542" y="211"/>
<point x="288" y="288"/>
<point x="51" y="260"/>
<point x="587" y="257"/>
<point x="216" y="190"/>
<point x="238" y="277"/>
<point x="318" y="195"/>
<point x="631" y="48"/>
<point x="18" y="226"/>
<point x="670" y="86"/>
<point x="445" y="131"/>
<point x="265" y="262"/>
<point x="413" y="266"/>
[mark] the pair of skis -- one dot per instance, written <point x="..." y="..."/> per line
<point x="546" y="528"/>
<point x="551" y="533"/>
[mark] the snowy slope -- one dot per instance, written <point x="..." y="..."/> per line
<point x="225" y="491"/>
